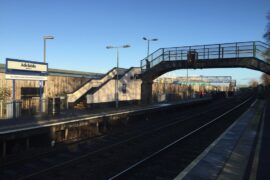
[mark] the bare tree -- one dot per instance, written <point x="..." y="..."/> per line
<point x="265" y="77"/>
<point x="253" y="83"/>
<point x="267" y="33"/>
<point x="4" y="93"/>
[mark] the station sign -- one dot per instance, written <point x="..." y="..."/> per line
<point x="26" y="66"/>
<point x="26" y="70"/>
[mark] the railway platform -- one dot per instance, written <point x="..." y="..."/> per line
<point x="27" y="123"/>
<point x="241" y="152"/>
<point x="261" y="162"/>
<point x="26" y="133"/>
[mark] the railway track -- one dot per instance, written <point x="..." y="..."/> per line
<point x="143" y="122"/>
<point x="115" y="152"/>
<point x="168" y="161"/>
<point x="124" y="129"/>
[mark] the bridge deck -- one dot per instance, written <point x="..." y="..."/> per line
<point x="251" y="49"/>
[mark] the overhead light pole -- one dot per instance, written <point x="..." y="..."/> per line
<point x="42" y="94"/>
<point x="148" y="43"/>
<point x="117" y="67"/>
<point x="187" y="84"/>
<point x="45" y="38"/>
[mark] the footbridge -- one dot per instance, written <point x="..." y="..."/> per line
<point x="251" y="55"/>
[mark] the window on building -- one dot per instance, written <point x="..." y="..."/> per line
<point x="29" y="92"/>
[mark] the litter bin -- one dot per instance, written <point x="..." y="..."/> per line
<point x="13" y="109"/>
<point x="63" y="103"/>
<point x="54" y="106"/>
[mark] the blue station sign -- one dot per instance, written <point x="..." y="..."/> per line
<point x="26" y="70"/>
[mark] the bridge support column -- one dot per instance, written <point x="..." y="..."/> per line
<point x="146" y="92"/>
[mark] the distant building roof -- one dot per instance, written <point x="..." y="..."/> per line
<point x="61" y="72"/>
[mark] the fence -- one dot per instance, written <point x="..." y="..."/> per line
<point x="3" y="109"/>
<point x="29" y="107"/>
<point x="32" y="106"/>
<point x="7" y="109"/>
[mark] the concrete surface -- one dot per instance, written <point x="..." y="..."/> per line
<point x="228" y="156"/>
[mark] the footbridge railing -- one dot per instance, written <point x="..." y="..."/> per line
<point x="251" y="49"/>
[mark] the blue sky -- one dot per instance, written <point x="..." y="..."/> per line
<point x="83" y="28"/>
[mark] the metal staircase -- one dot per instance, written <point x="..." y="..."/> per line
<point x="92" y="83"/>
<point x="124" y="77"/>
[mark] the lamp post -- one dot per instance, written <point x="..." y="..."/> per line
<point x="45" y="38"/>
<point x="42" y="94"/>
<point x="148" y="43"/>
<point x="117" y="66"/>
<point x="187" y="84"/>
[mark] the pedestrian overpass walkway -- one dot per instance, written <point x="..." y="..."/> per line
<point x="212" y="52"/>
<point x="251" y="55"/>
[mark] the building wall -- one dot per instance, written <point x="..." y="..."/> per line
<point x="64" y="81"/>
<point x="161" y="88"/>
<point x="55" y="85"/>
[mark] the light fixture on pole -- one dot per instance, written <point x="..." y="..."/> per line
<point x="117" y="66"/>
<point x="148" y="43"/>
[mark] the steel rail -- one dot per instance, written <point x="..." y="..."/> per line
<point x="175" y="142"/>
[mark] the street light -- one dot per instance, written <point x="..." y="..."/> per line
<point x="187" y="84"/>
<point x="148" y="43"/>
<point x="45" y="38"/>
<point x="117" y="65"/>
<point x="42" y="94"/>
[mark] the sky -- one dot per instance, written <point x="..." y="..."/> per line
<point x="83" y="28"/>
